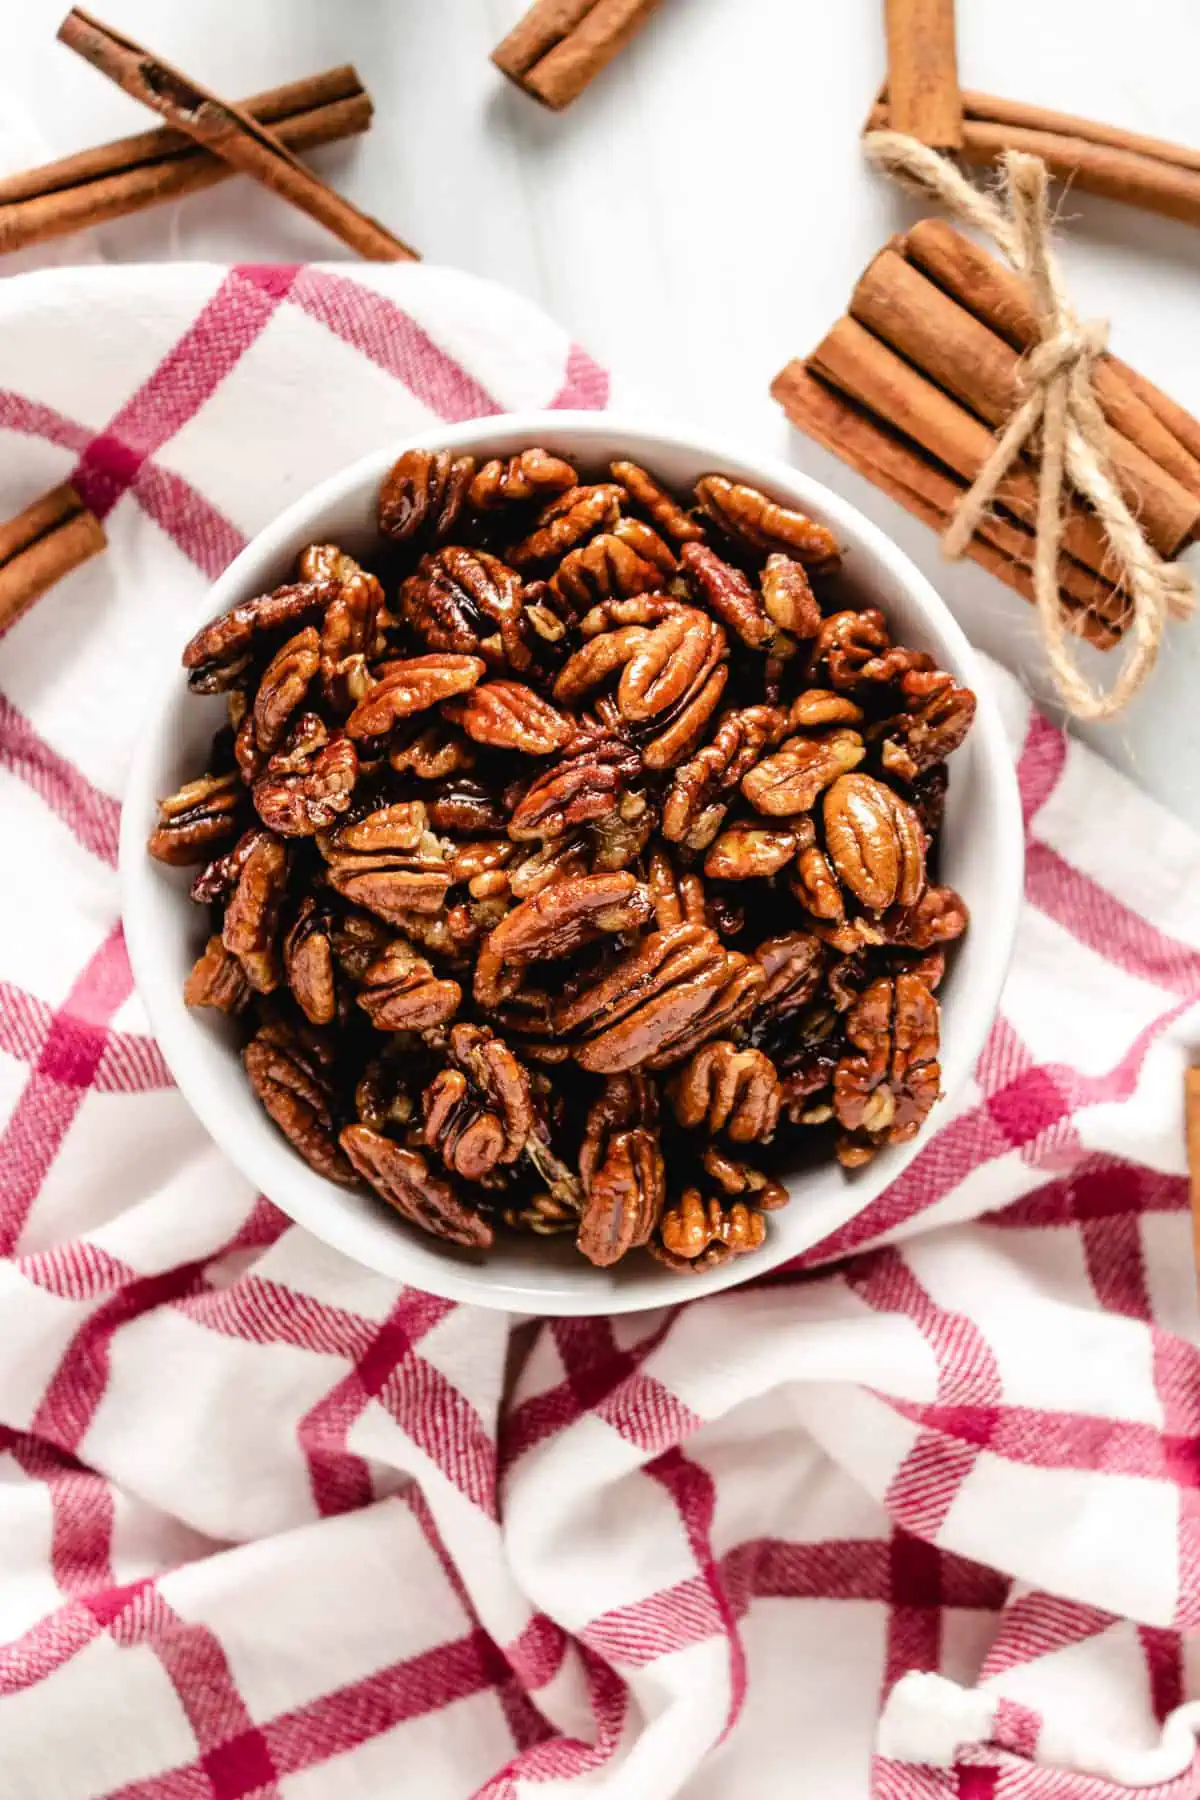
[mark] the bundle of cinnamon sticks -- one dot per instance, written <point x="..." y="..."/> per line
<point x="909" y="387"/>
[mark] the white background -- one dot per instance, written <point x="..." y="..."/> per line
<point x="696" y="218"/>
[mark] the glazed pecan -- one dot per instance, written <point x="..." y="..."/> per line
<point x="937" y="718"/>
<point x="508" y="716"/>
<point x="725" y="591"/>
<point x="789" y="781"/>
<point x="220" y="653"/>
<point x="400" y="991"/>
<point x="664" y="513"/>
<point x="470" y="602"/>
<point x="569" y="520"/>
<point x="788" y="597"/>
<point x="816" y="887"/>
<point x="423" y="496"/>
<point x="596" y="659"/>
<point x="285" y="681"/>
<point x="529" y="475"/>
<point x="727" y="1089"/>
<point x="677" y="898"/>
<point x="672" y="684"/>
<point x="404" y="1179"/>
<point x="348" y="637"/>
<point x="309" y="783"/>
<point x="195" y="820"/>
<point x="701" y="1234"/>
<point x="697" y="800"/>
<point x="853" y="653"/>
<point x="586" y="785"/>
<point x="289" y="1073"/>
<point x="733" y="1176"/>
<point x="875" y="843"/>
<point x="817" y="708"/>
<point x="623" y="1172"/>
<point x="635" y="609"/>
<point x="217" y="979"/>
<point x="479" y="1111"/>
<point x="388" y="863"/>
<point x="251" y="924"/>
<point x="560" y="918"/>
<point x="308" y="962"/>
<point x="463" y="805"/>
<point x="793" y="966"/>
<point x="747" y="851"/>
<point x="764" y="526"/>
<point x="628" y="560"/>
<point x="938" y="917"/>
<point x="437" y="751"/>
<point x="412" y="686"/>
<point x="883" y="1093"/>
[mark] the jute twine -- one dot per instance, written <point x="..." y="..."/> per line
<point x="1060" y="399"/>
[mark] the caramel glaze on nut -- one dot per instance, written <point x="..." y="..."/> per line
<point x="571" y="858"/>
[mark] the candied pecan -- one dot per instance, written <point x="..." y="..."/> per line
<point x="309" y="783"/>
<point x="348" y="635"/>
<point x="789" y="781"/>
<point x="404" y="1179"/>
<point x="750" y="519"/>
<point x="479" y="1111"/>
<point x="357" y="939"/>
<point x="664" y="513"/>
<point x="886" y="1090"/>
<point x="874" y="841"/>
<point x="585" y="785"/>
<point x="625" y="1198"/>
<point x="217" y="979"/>
<point x="463" y="805"/>
<point x="423" y="495"/>
<point x="529" y="475"/>
<point x="746" y="851"/>
<point x="937" y="718"/>
<point x="401" y="826"/>
<point x="938" y="917"/>
<point x="481" y="857"/>
<point x="672" y="685"/>
<point x="793" y="965"/>
<point x="558" y="859"/>
<point x="308" y="962"/>
<point x="816" y="887"/>
<point x="220" y="653"/>
<point x="285" y="681"/>
<point x="727" y="1089"/>
<point x="558" y="919"/>
<point x="569" y="520"/>
<point x="630" y="559"/>
<point x="695" y="807"/>
<point x="788" y="597"/>
<point x="816" y="708"/>
<point x="325" y="562"/>
<point x="619" y="838"/>
<point x="195" y="820"/>
<point x="701" y="1234"/>
<point x="434" y="753"/>
<point x="508" y="716"/>
<point x="251" y="923"/>
<point x="726" y="592"/>
<point x="677" y="899"/>
<point x="634" y="609"/>
<point x="412" y="686"/>
<point x="596" y="659"/>
<point x="288" y="1074"/>
<point x="735" y="1177"/>
<point x="400" y="991"/>
<point x="737" y="998"/>
<point x="467" y="601"/>
<point x="853" y="653"/>
<point x="388" y="863"/>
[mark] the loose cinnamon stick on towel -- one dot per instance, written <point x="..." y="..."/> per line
<point x="228" y="132"/>
<point x="41" y="545"/>
<point x="1100" y="159"/>
<point x="923" y="72"/>
<point x="556" y="49"/>
<point x="110" y="181"/>
<point x="899" y="468"/>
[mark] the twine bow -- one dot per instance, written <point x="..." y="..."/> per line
<point x="1060" y="400"/>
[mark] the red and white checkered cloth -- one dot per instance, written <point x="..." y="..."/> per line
<point x="271" y="1526"/>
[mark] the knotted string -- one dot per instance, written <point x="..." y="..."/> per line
<point x="1060" y="399"/>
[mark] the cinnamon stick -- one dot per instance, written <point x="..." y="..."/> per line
<point x="923" y="72"/>
<point x="1093" y="610"/>
<point x="1191" y="1107"/>
<point x="851" y="358"/>
<point x="997" y="295"/>
<point x="955" y="349"/>
<point x="1100" y="159"/>
<point x="227" y="131"/>
<point x="41" y="545"/>
<point x="113" y="180"/>
<point x="560" y="45"/>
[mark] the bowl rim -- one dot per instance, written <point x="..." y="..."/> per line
<point x="184" y="1047"/>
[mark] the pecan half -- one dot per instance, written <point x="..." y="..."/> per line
<point x="696" y="803"/>
<point x="404" y="1179"/>
<point x="309" y="783"/>
<point x="195" y="820"/>
<point x="817" y="708"/>
<point x="886" y="1090"/>
<point x="726" y="1089"/>
<point x="584" y="786"/>
<point x="412" y="686"/>
<point x="251" y="924"/>
<point x="726" y="592"/>
<point x="874" y="842"/>
<point x="625" y="1198"/>
<point x="630" y="559"/>
<point x="308" y="962"/>
<point x="529" y="475"/>
<point x="938" y="917"/>
<point x="788" y="598"/>
<point x="663" y="512"/>
<point x="596" y="659"/>
<point x="789" y="781"/>
<point x="291" y="1081"/>
<point x="468" y="601"/>
<point x="793" y="965"/>
<point x="285" y="681"/>
<point x="937" y="718"/>
<point x="400" y="991"/>
<point x="701" y="1234"/>
<point x="568" y="521"/>
<point x="748" y="852"/>
<point x="221" y="652"/>
<point x="853" y="653"/>
<point x="217" y="979"/>
<point x="560" y="918"/>
<point x="672" y="684"/>
<point x="388" y="863"/>
<point x="479" y="1111"/>
<point x="423" y="495"/>
<point x="750" y="519"/>
<point x="437" y="751"/>
<point x="348" y="634"/>
<point x="508" y="716"/>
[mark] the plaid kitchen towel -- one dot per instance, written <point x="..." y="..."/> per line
<point x="920" y="1518"/>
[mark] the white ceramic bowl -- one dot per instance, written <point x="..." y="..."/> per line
<point x="981" y="856"/>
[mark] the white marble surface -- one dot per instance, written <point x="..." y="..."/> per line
<point x="697" y="217"/>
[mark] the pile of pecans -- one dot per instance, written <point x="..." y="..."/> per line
<point x="572" y="870"/>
